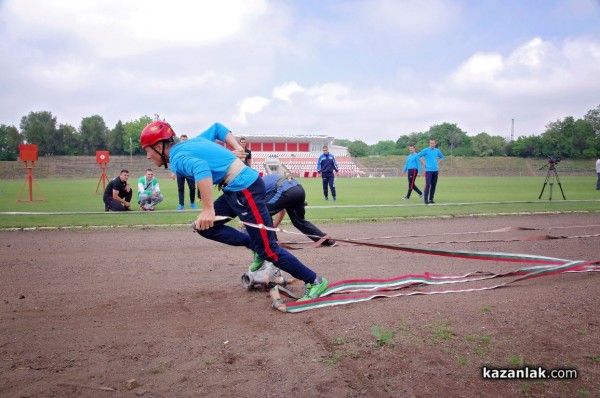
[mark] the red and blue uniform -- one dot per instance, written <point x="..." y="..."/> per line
<point x="289" y="195"/>
<point x="243" y="197"/>
<point x="413" y="168"/>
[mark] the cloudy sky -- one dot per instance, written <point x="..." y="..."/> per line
<point x="355" y="69"/>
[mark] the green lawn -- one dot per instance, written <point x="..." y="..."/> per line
<point x="361" y="199"/>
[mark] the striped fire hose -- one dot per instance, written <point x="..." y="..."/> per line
<point x="357" y="290"/>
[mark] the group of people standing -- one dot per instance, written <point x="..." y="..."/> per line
<point x="430" y="159"/>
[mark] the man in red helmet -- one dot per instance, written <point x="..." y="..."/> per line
<point x="243" y="194"/>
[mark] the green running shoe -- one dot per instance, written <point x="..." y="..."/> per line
<point x="257" y="263"/>
<point x="314" y="290"/>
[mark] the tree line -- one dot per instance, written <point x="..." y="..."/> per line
<point x="55" y="139"/>
<point x="566" y="138"/>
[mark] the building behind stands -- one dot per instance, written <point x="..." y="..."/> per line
<point x="299" y="153"/>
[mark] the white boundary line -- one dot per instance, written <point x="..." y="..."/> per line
<point x="353" y="220"/>
<point x="312" y="207"/>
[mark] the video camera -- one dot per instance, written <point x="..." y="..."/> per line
<point x="553" y="159"/>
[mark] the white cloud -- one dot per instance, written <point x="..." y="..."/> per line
<point x="479" y="69"/>
<point x="286" y="90"/>
<point x="360" y="69"/>
<point x="531" y="54"/>
<point x="251" y="105"/>
<point x="112" y="28"/>
<point x="483" y="94"/>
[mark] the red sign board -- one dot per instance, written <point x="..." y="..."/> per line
<point x="28" y="152"/>
<point x="102" y="157"/>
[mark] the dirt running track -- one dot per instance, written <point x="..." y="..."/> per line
<point x="82" y="313"/>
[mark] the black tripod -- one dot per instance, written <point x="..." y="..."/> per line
<point x="551" y="176"/>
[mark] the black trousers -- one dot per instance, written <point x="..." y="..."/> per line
<point x="292" y="201"/>
<point x="431" y="178"/>
<point x="115" y="205"/>
<point x="181" y="188"/>
<point x="328" y="180"/>
<point x="412" y="177"/>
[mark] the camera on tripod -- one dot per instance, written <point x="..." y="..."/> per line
<point x="551" y="177"/>
<point x="553" y="159"/>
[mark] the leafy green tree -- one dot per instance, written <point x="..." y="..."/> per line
<point x="568" y="137"/>
<point x="116" y="139"/>
<point x="419" y="140"/>
<point x="583" y="137"/>
<point x="450" y="138"/>
<point x="526" y="147"/>
<point x="94" y="134"/>
<point x="10" y="139"/>
<point x="556" y="138"/>
<point x="508" y="148"/>
<point x="358" y="149"/>
<point x="40" y="128"/>
<point x="593" y="147"/>
<point x="131" y="139"/>
<point x="464" y="149"/>
<point x="71" y="140"/>
<point x="342" y="142"/>
<point x="593" y="117"/>
<point x="486" y="145"/>
<point x="385" y="148"/>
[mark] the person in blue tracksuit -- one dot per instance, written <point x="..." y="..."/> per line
<point x="431" y="158"/>
<point x="243" y="194"/>
<point x="326" y="166"/>
<point x="413" y="167"/>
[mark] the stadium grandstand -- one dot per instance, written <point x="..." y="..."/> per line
<point x="299" y="153"/>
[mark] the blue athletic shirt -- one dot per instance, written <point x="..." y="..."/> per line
<point x="326" y="164"/>
<point x="412" y="162"/>
<point x="270" y="181"/>
<point x="201" y="157"/>
<point x="431" y="156"/>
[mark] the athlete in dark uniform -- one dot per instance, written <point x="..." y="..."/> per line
<point x="285" y="194"/>
<point x="118" y="193"/>
<point x="413" y="167"/>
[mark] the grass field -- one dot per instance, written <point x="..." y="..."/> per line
<point x="73" y="202"/>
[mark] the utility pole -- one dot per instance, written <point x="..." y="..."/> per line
<point x="130" y="153"/>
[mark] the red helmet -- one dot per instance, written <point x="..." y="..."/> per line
<point x="155" y="132"/>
